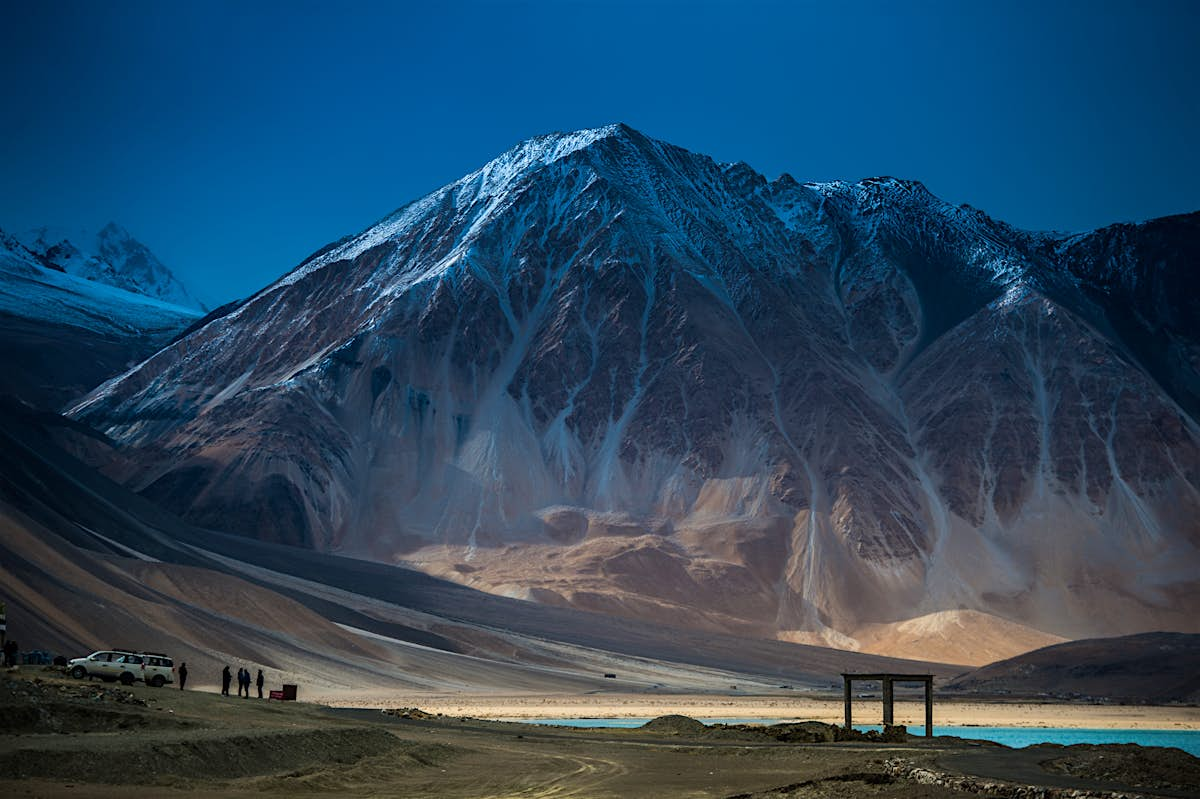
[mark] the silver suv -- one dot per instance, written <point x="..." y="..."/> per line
<point x="153" y="668"/>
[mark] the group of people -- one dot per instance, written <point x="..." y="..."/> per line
<point x="244" y="680"/>
<point x="243" y="677"/>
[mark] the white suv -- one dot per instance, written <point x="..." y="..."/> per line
<point x="157" y="669"/>
<point x="153" y="668"/>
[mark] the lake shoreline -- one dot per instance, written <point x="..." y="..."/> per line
<point x="950" y="712"/>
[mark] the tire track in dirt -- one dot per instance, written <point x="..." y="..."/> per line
<point x="578" y="775"/>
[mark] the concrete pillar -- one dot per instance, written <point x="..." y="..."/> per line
<point x="887" y="702"/>
<point x="846" y="696"/>
<point x="929" y="708"/>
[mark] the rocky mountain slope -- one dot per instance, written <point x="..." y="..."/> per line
<point x="606" y="372"/>
<point x="84" y="564"/>
<point x="62" y="335"/>
<point x="112" y="257"/>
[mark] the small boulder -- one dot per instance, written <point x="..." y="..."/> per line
<point x="805" y="732"/>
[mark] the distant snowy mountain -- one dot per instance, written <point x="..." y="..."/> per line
<point x="16" y="258"/>
<point x="606" y="372"/>
<point x="53" y="288"/>
<point x="112" y="257"/>
<point x="61" y="334"/>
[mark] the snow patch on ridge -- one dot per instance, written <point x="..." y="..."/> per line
<point x="483" y="193"/>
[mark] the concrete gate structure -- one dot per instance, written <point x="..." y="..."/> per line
<point x="888" y="680"/>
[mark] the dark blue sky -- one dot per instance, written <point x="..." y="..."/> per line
<point x="235" y="138"/>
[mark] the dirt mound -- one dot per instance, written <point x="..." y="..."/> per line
<point x="407" y="713"/>
<point x="38" y="707"/>
<point x="20" y="691"/>
<point x="890" y="734"/>
<point x="812" y="732"/>
<point x="808" y="732"/>
<point x="675" y="725"/>
<point x="852" y="785"/>
<point x="201" y="756"/>
<point x="803" y="732"/>
<point x="63" y="717"/>
<point x="1129" y="764"/>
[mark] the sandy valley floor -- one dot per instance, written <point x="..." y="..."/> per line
<point x="953" y="712"/>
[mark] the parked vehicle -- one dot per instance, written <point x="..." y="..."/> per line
<point x="157" y="669"/>
<point x="153" y="668"/>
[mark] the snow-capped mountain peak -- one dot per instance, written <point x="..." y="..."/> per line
<point x="113" y="257"/>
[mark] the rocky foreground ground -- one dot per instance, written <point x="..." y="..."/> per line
<point x="60" y="737"/>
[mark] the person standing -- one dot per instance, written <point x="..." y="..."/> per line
<point x="182" y="675"/>
<point x="260" y="682"/>
<point x="245" y="683"/>
<point x="226" y="678"/>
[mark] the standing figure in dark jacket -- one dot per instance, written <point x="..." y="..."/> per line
<point x="260" y="682"/>
<point x="226" y="678"/>
<point x="182" y="675"/>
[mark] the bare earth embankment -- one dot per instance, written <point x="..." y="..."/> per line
<point x="79" y="739"/>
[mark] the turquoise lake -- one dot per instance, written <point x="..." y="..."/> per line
<point x="1016" y="737"/>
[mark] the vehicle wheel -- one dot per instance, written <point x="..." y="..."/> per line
<point x="158" y="682"/>
<point x="126" y="679"/>
<point x="79" y="672"/>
